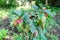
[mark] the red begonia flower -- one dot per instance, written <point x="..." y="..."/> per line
<point x="19" y="20"/>
<point x="46" y="15"/>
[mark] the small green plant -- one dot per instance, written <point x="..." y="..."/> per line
<point x="32" y="25"/>
<point x="18" y="37"/>
<point x="3" y="33"/>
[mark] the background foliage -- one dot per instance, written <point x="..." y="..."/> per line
<point x="24" y="22"/>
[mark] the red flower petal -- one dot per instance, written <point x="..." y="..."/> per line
<point x="19" y="21"/>
<point x="46" y="15"/>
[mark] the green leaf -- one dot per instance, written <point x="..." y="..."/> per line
<point x="34" y="38"/>
<point x="32" y="26"/>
